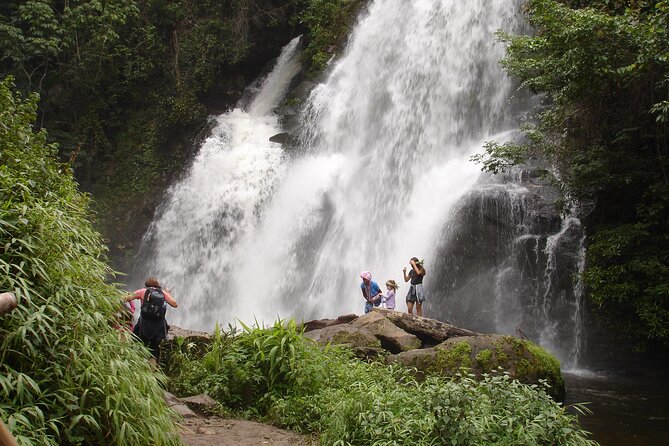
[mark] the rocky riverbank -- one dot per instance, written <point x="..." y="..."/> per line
<point x="428" y="346"/>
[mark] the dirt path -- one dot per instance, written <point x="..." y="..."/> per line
<point x="215" y="431"/>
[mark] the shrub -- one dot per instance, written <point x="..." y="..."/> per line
<point x="67" y="376"/>
<point x="296" y="384"/>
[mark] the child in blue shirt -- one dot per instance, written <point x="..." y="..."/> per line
<point x="370" y="291"/>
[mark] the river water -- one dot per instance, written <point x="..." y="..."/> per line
<point x="627" y="410"/>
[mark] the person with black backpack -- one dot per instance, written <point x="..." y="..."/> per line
<point x="151" y="328"/>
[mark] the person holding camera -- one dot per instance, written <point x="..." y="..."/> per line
<point x="416" y="294"/>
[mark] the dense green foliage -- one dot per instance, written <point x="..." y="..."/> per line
<point x="329" y="23"/>
<point x="605" y="65"/>
<point x="100" y="66"/>
<point x="125" y="84"/>
<point x="278" y="374"/>
<point x="67" y="376"/>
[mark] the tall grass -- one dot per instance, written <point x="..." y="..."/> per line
<point x="277" y="374"/>
<point x="66" y="375"/>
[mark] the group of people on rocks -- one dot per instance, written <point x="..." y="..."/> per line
<point x="374" y="297"/>
<point x="151" y="327"/>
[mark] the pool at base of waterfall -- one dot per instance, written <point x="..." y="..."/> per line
<point x="627" y="410"/>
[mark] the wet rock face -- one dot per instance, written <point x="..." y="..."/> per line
<point x="508" y="260"/>
<point x="477" y="241"/>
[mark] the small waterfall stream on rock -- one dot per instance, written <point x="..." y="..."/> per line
<point x="382" y="174"/>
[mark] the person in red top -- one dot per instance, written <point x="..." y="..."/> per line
<point x="151" y="328"/>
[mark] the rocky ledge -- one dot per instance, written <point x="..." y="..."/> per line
<point x="433" y="347"/>
<point x="429" y="346"/>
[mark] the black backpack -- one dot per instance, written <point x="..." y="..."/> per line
<point x="153" y="305"/>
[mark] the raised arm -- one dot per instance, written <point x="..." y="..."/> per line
<point x="137" y="294"/>
<point x="406" y="277"/>
<point x="418" y="269"/>
<point x="169" y="299"/>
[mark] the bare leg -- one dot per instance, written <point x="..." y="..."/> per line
<point x="419" y="309"/>
<point x="410" y="307"/>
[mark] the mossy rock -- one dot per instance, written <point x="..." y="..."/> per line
<point x="355" y="339"/>
<point x="344" y="335"/>
<point x="450" y="360"/>
<point x="485" y="354"/>
<point x="422" y="360"/>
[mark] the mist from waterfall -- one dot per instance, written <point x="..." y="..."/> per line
<point x="382" y="174"/>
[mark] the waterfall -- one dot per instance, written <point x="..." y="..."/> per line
<point x="194" y="239"/>
<point x="387" y="140"/>
<point x="382" y="174"/>
<point x="511" y="264"/>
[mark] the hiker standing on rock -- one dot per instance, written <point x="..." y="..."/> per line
<point x="370" y="291"/>
<point x="416" y="295"/>
<point x="151" y="328"/>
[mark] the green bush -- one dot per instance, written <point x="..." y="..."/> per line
<point x="67" y="376"/>
<point x="290" y="381"/>
<point x="328" y="22"/>
<point x="605" y="65"/>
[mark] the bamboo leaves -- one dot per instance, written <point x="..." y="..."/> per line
<point x="66" y="376"/>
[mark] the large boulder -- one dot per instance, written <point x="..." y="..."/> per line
<point x="322" y="323"/>
<point x="180" y="340"/>
<point x="201" y="403"/>
<point x="392" y="338"/>
<point x="430" y="331"/>
<point x="521" y="359"/>
<point x="178" y="332"/>
<point x="363" y="344"/>
<point x="178" y="406"/>
<point x="344" y="334"/>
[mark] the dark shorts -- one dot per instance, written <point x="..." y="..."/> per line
<point x="416" y="294"/>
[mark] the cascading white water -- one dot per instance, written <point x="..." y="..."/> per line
<point x="195" y="238"/>
<point x="384" y="175"/>
<point x="388" y="138"/>
<point x="561" y="314"/>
